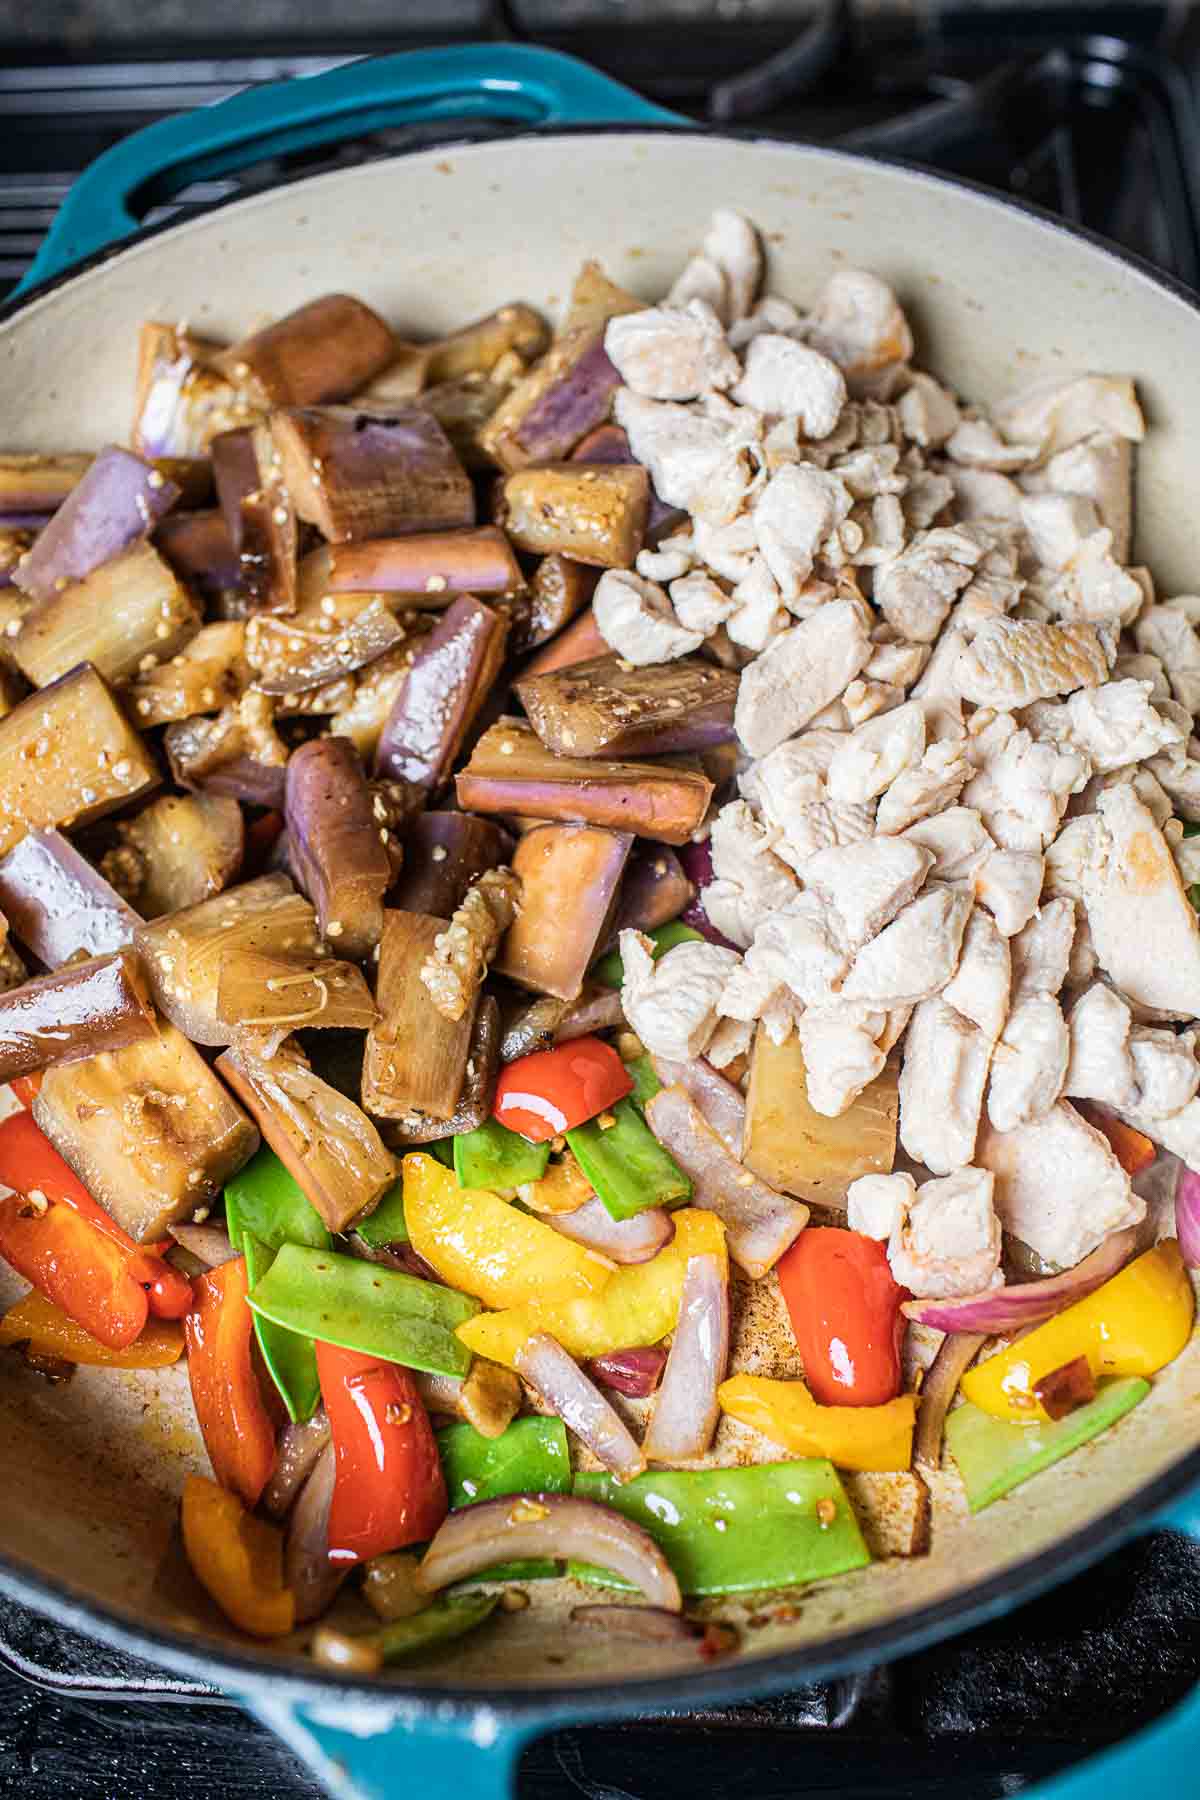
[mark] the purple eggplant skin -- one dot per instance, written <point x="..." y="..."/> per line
<point x="559" y="590"/>
<point x="357" y="475"/>
<point x="566" y="395"/>
<point x="335" y="850"/>
<point x="213" y="755"/>
<point x="325" y="350"/>
<point x="429" y="569"/>
<point x="57" y="904"/>
<point x="181" y="400"/>
<point x="101" y="1004"/>
<point x="474" y="1105"/>
<point x="654" y="891"/>
<point x="235" y="471"/>
<point x="444" y="853"/>
<point x="601" y="708"/>
<point x="198" y="548"/>
<point x="450" y="678"/>
<point x="118" y="501"/>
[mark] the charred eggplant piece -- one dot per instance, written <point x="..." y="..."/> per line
<point x="450" y="678"/>
<point x="566" y="395"/>
<point x="182" y="400"/>
<point x="336" y="844"/>
<point x="58" y="904"/>
<point x="320" y="642"/>
<point x="605" y="708"/>
<point x="595" y="300"/>
<point x="510" y="771"/>
<point x="149" y="1130"/>
<point x="179" y="850"/>
<point x="101" y="1004"/>
<point x="269" y="536"/>
<point x="416" y="1059"/>
<point x="478" y="347"/>
<point x="235" y="471"/>
<point x="325" y="350"/>
<point x="580" y="642"/>
<point x="361" y="475"/>
<point x="128" y="609"/>
<point x="68" y="756"/>
<point x="114" y="506"/>
<point x="558" y="591"/>
<point x="207" y="674"/>
<point x="655" y="890"/>
<point x="264" y="993"/>
<point x="37" y="485"/>
<point x="326" y="1142"/>
<point x="444" y="852"/>
<point x="478" y="1089"/>
<point x="226" y="755"/>
<point x="570" y="877"/>
<point x="463" y="408"/>
<point x="428" y="569"/>
<point x="595" y="515"/>
<point x="198" y="548"/>
<point x="184" y="952"/>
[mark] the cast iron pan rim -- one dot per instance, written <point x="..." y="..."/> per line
<point x="231" y="1669"/>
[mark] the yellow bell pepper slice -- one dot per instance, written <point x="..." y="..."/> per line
<point x="850" y="1437"/>
<point x="48" y="1331"/>
<point x="483" y="1246"/>
<point x="237" y="1558"/>
<point x="1133" y="1325"/>
<point x="639" y="1305"/>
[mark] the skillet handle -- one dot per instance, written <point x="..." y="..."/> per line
<point x="478" y="81"/>
<point x="1162" y="1758"/>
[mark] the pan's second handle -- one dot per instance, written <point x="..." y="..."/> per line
<point x="1165" y="1757"/>
<point x="489" y="81"/>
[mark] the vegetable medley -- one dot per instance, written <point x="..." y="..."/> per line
<point x="523" y="852"/>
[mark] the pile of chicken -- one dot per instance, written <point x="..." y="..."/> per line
<point x="966" y="736"/>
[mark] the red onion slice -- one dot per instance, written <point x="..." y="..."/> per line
<point x="1187" y="1216"/>
<point x="555" y="1525"/>
<point x="599" y="1011"/>
<point x="633" y="1373"/>
<point x="566" y="1390"/>
<point x="647" y="1624"/>
<point x="208" y="1243"/>
<point x="686" y="1413"/>
<point x="1001" y="1311"/>
<point x="697" y="866"/>
<point x="300" y="1445"/>
<point x="307" y="1570"/>
<point x="633" y="1240"/>
<point x="955" y="1355"/>
<point x="720" y="1102"/>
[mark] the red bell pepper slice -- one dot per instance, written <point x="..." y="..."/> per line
<point x="389" y="1489"/>
<point x="25" y="1088"/>
<point x="30" y="1164"/>
<point x="552" y="1091"/>
<point x="233" y="1418"/>
<point x="845" y="1310"/>
<point x="75" y="1266"/>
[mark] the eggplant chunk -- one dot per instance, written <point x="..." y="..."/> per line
<point x="563" y="397"/>
<point x="327" y="1143"/>
<point x="123" y="612"/>
<point x="36" y="484"/>
<point x="578" y="643"/>
<point x="594" y="514"/>
<point x="264" y="993"/>
<point x="325" y="350"/>
<point x="416" y="1059"/>
<point x="322" y="641"/>
<point x="237" y="753"/>
<point x="550" y="945"/>
<point x="207" y="674"/>
<point x="449" y="680"/>
<point x="363" y="715"/>
<point x="428" y="569"/>
<point x="182" y="399"/>
<point x="361" y="475"/>
<point x="269" y="536"/>
<point x="463" y="408"/>
<point x="180" y="850"/>
<point x="100" y="1004"/>
<point x="198" y="547"/>
<point x="184" y="951"/>
<point x="115" y="505"/>
<point x="58" y="904"/>
<point x="338" y="846"/>
<point x="558" y="592"/>
<point x="603" y="707"/>
<point x="511" y="772"/>
<point x="235" y="471"/>
<point x="15" y="540"/>
<point x="402" y="380"/>
<point x="149" y="1130"/>
<point x="478" y="1089"/>
<point x="595" y="300"/>
<point x="654" y="891"/>
<point x="444" y="852"/>
<point x="478" y="347"/>
<point x="68" y="756"/>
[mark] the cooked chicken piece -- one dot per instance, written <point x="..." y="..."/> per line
<point x="1187" y="856"/>
<point x="874" y="754"/>
<point x="1168" y="632"/>
<point x="1099" y="469"/>
<point x="958" y="839"/>
<point x="1139" y="665"/>
<point x="1166" y="1069"/>
<point x="950" y="1242"/>
<point x="897" y="1024"/>
<point x="1100" y="1066"/>
<point x="1013" y="661"/>
<point x="730" y="268"/>
<point x="758" y="613"/>
<point x="1149" y="791"/>
<point x="871" y="471"/>
<point x="981" y="984"/>
<point x="1022" y="788"/>
<point x="858" y="322"/>
<point x="942" y="1080"/>
<point x="1057" y="413"/>
<point x="782" y="376"/>
<point x="694" y="461"/>
<point x="800" y="947"/>
<point x="1059" y="1188"/>
<point x="1057" y="525"/>
<point x="915" y="956"/>
<point x="877" y="1205"/>
<point x="671" y="352"/>
<point x="1179" y="776"/>
<point x="1144" y="928"/>
<point x="898" y="662"/>
<point x="1041" y="951"/>
<point x="978" y="445"/>
<point x="793" y="516"/>
<point x="1117" y="724"/>
<point x="1067" y="858"/>
<point x="983" y="494"/>
<point x="1094" y="586"/>
<point x="664" y="564"/>
<point x="865" y="700"/>
<point x="1178" y="1133"/>
<point x="700" y="605"/>
<point x="728" y="550"/>
<point x="840" y="1055"/>
<point x="750" y="881"/>
<point x="1084" y="963"/>
<point x="671" y="1004"/>
<point x="1008" y="883"/>
<point x="731" y="1039"/>
<point x="996" y="587"/>
<point x="1029" y="1064"/>
<point x="925" y="787"/>
<point x="937" y="685"/>
<point x="635" y="619"/>
<point x="818" y="825"/>
<point x="800" y="672"/>
<point x="928" y="412"/>
<point x="916" y="590"/>
<point x="867" y="884"/>
<point x="926" y="497"/>
<point x="771" y="314"/>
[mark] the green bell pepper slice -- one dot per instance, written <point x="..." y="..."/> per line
<point x="627" y="1165"/>
<point x="610" y="970"/>
<point x="734" y="1531"/>
<point x="386" y="1225"/>
<point x="645" y="1082"/>
<point x="530" y="1457"/>
<point x="451" y="1616"/>
<point x="264" y="1209"/>
<point x="364" y="1306"/>
<point x="994" y="1456"/>
<point x="495" y="1157"/>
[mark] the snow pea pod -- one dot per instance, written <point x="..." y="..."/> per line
<point x="450" y="1616"/>
<point x="386" y="1225"/>
<point x="626" y="1164"/>
<point x="495" y="1157"/>
<point x="265" y="1209"/>
<point x="531" y="1457"/>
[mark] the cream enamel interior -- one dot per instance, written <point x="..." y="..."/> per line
<point x="91" y="1471"/>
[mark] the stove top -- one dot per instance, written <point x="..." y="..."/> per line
<point x="1086" y="111"/>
